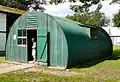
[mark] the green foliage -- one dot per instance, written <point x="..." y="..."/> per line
<point x="116" y="19"/>
<point x="92" y="18"/>
<point x="82" y="1"/>
<point x="20" y="4"/>
<point x="24" y="4"/>
<point x="36" y="5"/>
<point x="79" y="8"/>
<point x="115" y="1"/>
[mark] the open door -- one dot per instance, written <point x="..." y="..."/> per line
<point x="42" y="46"/>
<point x="31" y="33"/>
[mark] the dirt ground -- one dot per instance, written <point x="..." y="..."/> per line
<point x="30" y="67"/>
<point x="59" y="72"/>
<point x="9" y="67"/>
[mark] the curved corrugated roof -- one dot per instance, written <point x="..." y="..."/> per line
<point x="80" y="24"/>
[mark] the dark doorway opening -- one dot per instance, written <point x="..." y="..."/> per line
<point x="31" y="33"/>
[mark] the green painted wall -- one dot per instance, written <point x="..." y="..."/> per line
<point x="68" y="43"/>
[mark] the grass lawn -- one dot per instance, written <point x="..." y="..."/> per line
<point x="107" y="68"/>
<point x="2" y="59"/>
<point x="111" y="62"/>
<point x="104" y="70"/>
<point x="21" y="76"/>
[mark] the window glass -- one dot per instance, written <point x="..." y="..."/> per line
<point x="24" y="41"/>
<point x="21" y="37"/>
<point x="24" y="32"/>
<point x="94" y="33"/>
<point x="19" y="32"/>
<point x="19" y="40"/>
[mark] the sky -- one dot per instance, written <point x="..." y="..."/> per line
<point x="59" y="10"/>
<point x="64" y="9"/>
<point x="109" y="10"/>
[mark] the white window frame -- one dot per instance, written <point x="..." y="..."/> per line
<point x="22" y="37"/>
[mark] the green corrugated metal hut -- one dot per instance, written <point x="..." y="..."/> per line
<point x="60" y="42"/>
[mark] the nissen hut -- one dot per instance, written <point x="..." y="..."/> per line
<point x="60" y="42"/>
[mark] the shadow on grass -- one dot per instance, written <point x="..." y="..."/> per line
<point x="114" y="56"/>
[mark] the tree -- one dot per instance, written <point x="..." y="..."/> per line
<point x="92" y="18"/>
<point x="36" y="5"/>
<point x="83" y="15"/>
<point x="20" y="4"/>
<point x="24" y="4"/>
<point x="116" y="19"/>
<point x="115" y="1"/>
<point x="84" y="7"/>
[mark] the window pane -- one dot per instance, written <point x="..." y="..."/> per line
<point x="94" y="34"/>
<point x="24" y="41"/>
<point x="19" y="32"/>
<point x="19" y="40"/>
<point x="24" y="32"/>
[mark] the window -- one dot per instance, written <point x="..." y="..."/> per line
<point x="24" y="41"/>
<point x="22" y="38"/>
<point x="94" y="33"/>
<point x="19" y="40"/>
<point x="19" y="32"/>
<point x="24" y="32"/>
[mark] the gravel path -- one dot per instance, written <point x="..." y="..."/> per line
<point x="101" y="73"/>
<point x="59" y="72"/>
<point x="7" y="67"/>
